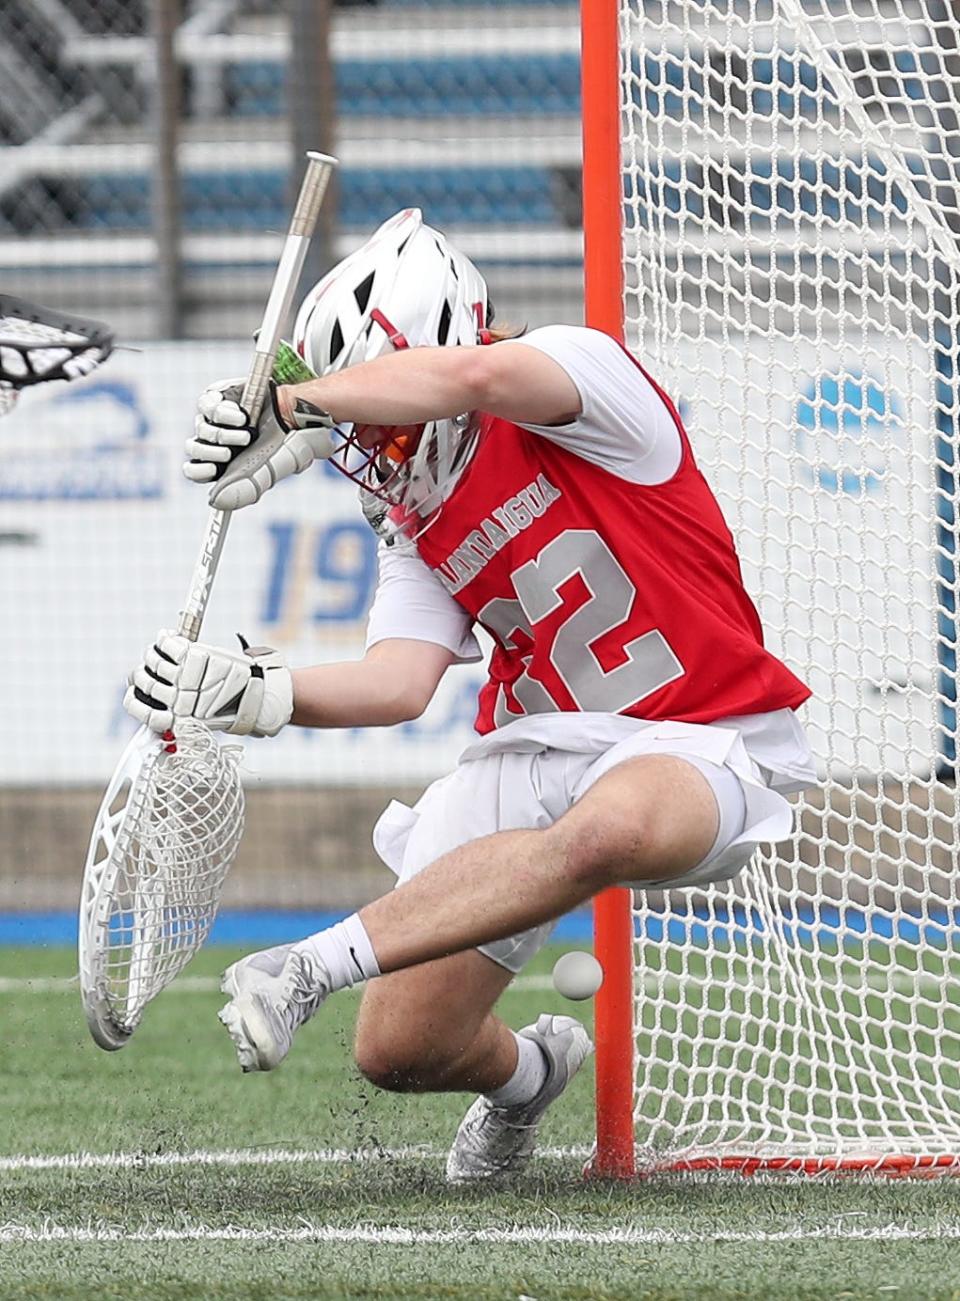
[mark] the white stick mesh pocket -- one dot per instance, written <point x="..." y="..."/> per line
<point x="164" y="840"/>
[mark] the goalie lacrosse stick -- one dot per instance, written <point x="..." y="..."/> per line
<point x="37" y="344"/>
<point x="171" y="819"/>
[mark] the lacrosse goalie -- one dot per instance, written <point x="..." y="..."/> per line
<point x="632" y="729"/>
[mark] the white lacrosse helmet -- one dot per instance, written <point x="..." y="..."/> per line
<point x="407" y="287"/>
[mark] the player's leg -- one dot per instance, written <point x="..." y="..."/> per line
<point x="432" y="1028"/>
<point x="270" y="991"/>
<point x="497" y="1136"/>
<point x="651" y="817"/>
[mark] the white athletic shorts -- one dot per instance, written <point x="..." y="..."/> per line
<point x="505" y="782"/>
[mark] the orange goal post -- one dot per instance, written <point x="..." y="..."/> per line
<point x="603" y="309"/>
<point x="771" y="205"/>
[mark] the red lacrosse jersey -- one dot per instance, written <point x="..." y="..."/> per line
<point x="601" y="594"/>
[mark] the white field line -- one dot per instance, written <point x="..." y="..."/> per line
<point x="248" y="1157"/>
<point x="516" y="1235"/>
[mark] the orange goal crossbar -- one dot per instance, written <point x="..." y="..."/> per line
<point x="603" y="297"/>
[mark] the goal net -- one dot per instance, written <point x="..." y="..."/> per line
<point x="791" y="274"/>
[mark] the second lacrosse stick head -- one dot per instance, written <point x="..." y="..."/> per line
<point x="38" y="344"/>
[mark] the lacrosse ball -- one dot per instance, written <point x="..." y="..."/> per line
<point x="577" y="975"/>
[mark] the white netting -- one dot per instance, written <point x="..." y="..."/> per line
<point x="793" y="204"/>
<point x="162" y="849"/>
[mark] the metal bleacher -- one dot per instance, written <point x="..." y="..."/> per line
<point x="466" y="108"/>
<point x="469" y="111"/>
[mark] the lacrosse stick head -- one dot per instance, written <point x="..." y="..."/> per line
<point x="37" y="344"/>
<point x="163" y="842"/>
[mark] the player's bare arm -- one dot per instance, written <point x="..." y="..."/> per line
<point x="250" y="691"/>
<point x="393" y="683"/>
<point x="396" y="394"/>
<point x="517" y="383"/>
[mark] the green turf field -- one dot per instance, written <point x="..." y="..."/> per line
<point x="218" y="1194"/>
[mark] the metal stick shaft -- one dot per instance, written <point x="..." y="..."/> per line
<point x="285" y="280"/>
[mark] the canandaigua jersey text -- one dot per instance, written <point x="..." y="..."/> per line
<point x="601" y="595"/>
<point x="504" y="522"/>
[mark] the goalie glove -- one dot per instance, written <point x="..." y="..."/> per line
<point x="246" y="693"/>
<point x="243" y="460"/>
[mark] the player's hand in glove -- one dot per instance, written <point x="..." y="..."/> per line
<point x="248" y="692"/>
<point x="243" y="460"/>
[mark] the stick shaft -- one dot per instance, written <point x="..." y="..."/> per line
<point x="285" y="280"/>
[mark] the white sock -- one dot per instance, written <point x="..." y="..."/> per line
<point x="526" y="1081"/>
<point x="346" y="952"/>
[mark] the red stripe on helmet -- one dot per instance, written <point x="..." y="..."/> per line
<point x="393" y="334"/>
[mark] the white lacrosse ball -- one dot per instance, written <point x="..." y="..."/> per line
<point x="577" y="975"/>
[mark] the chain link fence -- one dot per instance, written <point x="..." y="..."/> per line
<point x="469" y="111"/>
<point x="148" y="154"/>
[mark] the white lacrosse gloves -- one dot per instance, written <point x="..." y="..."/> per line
<point x="243" y="459"/>
<point x="247" y="693"/>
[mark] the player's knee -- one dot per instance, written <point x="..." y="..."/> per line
<point x="390" y="1074"/>
<point x="397" y="1065"/>
<point x="598" y="847"/>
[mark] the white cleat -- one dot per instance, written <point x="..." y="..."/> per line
<point x="493" y="1142"/>
<point x="272" y="994"/>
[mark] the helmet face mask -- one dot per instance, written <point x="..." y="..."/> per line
<point x="408" y="473"/>
<point x="405" y="288"/>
